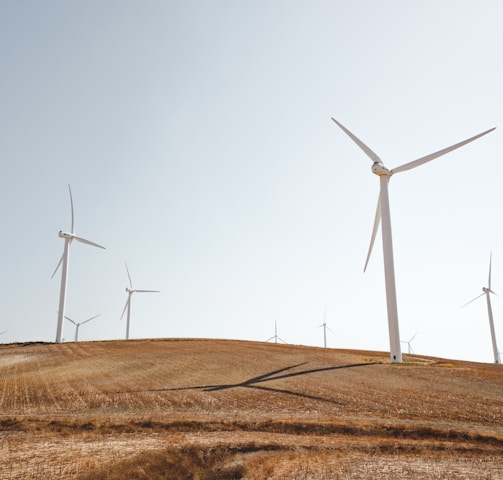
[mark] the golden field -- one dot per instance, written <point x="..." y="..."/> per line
<point x="222" y="409"/>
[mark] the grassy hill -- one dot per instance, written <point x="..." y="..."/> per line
<point x="220" y="409"/>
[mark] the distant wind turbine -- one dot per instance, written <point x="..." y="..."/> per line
<point x="325" y="328"/>
<point x="77" y="325"/>
<point x="68" y="237"/>
<point x="409" y="343"/>
<point x="275" y="337"/>
<point x="383" y="216"/>
<point x="127" y="307"/>
<point x="487" y="292"/>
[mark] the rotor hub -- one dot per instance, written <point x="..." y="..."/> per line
<point x="380" y="170"/>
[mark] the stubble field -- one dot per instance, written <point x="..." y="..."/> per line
<point x="221" y="409"/>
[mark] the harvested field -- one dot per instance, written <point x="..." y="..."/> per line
<point x="220" y="409"/>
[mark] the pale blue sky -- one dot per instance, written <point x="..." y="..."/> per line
<point x="197" y="139"/>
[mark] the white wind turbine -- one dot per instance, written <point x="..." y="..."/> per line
<point x="78" y="324"/>
<point x="325" y="328"/>
<point x="383" y="216"/>
<point x="409" y="343"/>
<point x="487" y="292"/>
<point x="127" y="307"/>
<point x="68" y="237"/>
<point x="275" y="337"/>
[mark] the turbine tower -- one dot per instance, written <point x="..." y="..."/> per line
<point x="65" y="258"/>
<point x="383" y="216"/>
<point x="487" y="292"/>
<point x="127" y="307"/>
<point x="77" y="325"/>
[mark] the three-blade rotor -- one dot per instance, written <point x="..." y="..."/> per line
<point x="82" y="323"/>
<point x="131" y="290"/>
<point x="485" y="290"/>
<point x="407" y="166"/>
<point x="69" y="237"/>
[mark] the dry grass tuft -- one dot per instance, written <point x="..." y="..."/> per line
<point x="190" y="463"/>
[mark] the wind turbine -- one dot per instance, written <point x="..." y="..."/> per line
<point x="325" y="328"/>
<point x="409" y="343"/>
<point x="127" y="307"/>
<point x="275" y="337"/>
<point x="77" y="325"/>
<point x="68" y="237"/>
<point x="383" y="216"/>
<point x="487" y="292"/>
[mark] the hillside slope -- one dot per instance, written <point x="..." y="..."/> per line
<point x="233" y="409"/>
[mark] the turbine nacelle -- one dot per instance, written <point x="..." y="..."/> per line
<point x="379" y="169"/>
<point x="488" y="290"/>
<point x="62" y="234"/>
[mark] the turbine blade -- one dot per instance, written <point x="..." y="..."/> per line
<point x="87" y="242"/>
<point x="148" y="291"/>
<point x="370" y="153"/>
<point x="71" y="205"/>
<point x="481" y="295"/>
<point x="377" y="221"/>
<point x="57" y="267"/>
<point x="70" y="320"/>
<point x="432" y="156"/>
<point x="490" y="263"/>
<point x="129" y="276"/>
<point x="125" y="306"/>
<point x="89" y="319"/>
<point x="413" y="337"/>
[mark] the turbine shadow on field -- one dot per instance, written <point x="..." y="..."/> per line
<point x="279" y="374"/>
<point x="275" y="376"/>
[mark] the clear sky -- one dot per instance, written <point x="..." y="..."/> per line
<point x="197" y="140"/>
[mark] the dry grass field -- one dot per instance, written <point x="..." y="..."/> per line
<point x="220" y="409"/>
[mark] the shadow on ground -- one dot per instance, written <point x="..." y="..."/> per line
<point x="255" y="382"/>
